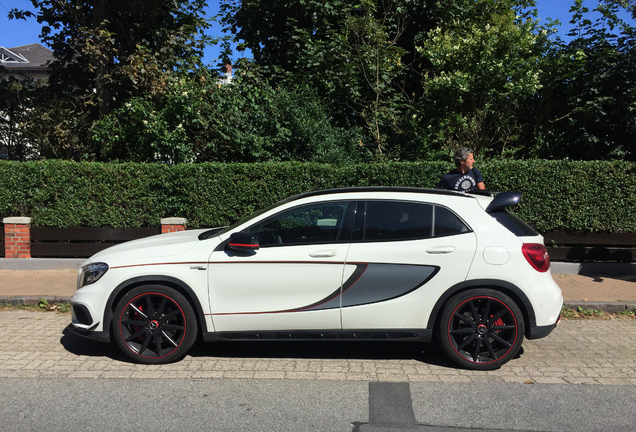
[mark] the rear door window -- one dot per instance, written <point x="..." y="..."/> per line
<point x="404" y="220"/>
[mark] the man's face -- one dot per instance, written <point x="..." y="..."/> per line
<point x="468" y="163"/>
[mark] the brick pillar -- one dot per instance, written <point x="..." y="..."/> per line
<point x="17" y="237"/>
<point x="174" y="224"/>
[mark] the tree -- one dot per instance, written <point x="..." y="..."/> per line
<point x="360" y="55"/>
<point x="484" y="64"/>
<point x="196" y="120"/>
<point x="588" y="95"/>
<point x="108" y="51"/>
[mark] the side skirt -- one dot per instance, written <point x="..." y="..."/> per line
<point x="414" y="335"/>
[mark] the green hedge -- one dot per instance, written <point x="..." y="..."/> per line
<point x="557" y="195"/>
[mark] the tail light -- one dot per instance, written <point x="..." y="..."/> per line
<point x="537" y="255"/>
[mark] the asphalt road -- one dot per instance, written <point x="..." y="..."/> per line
<point x="308" y="405"/>
<point x="582" y="377"/>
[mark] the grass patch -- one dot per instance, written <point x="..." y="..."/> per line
<point x="42" y="305"/>
<point x="582" y="313"/>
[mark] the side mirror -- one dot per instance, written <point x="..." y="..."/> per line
<point x="243" y="242"/>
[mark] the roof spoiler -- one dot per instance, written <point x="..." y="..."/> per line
<point x="503" y="200"/>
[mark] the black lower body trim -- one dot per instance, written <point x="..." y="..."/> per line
<point x="538" y="332"/>
<point x="101" y="336"/>
<point x="417" y="335"/>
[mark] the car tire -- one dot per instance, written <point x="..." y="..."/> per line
<point x="154" y="324"/>
<point x="481" y="329"/>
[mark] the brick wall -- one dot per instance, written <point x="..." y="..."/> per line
<point x="17" y="237"/>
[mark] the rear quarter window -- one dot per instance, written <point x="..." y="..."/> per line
<point x="514" y="224"/>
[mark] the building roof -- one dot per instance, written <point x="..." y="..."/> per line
<point x="31" y="58"/>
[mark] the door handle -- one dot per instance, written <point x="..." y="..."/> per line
<point x="323" y="254"/>
<point x="440" y="250"/>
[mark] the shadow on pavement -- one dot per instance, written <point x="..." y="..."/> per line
<point x="81" y="346"/>
<point x="350" y="350"/>
<point x="428" y="353"/>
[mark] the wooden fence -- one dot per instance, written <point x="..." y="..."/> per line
<point x="81" y="242"/>
<point x="587" y="247"/>
<point x="84" y="242"/>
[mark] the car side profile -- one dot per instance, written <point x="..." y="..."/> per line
<point x="372" y="263"/>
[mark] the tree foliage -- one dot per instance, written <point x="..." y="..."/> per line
<point x="485" y="62"/>
<point x="588" y="99"/>
<point x="329" y="81"/>
<point x="108" y="51"/>
<point x="197" y="120"/>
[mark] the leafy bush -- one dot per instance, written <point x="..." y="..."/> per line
<point x="557" y="195"/>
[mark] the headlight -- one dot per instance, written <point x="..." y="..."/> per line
<point x="91" y="273"/>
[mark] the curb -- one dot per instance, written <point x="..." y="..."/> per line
<point x="593" y="268"/>
<point x="40" y="263"/>
<point x="607" y="307"/>
<point x="20" y="300"/>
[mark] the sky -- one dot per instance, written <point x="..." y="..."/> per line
<point x="18" y="32"/>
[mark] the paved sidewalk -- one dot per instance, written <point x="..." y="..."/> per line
<point x="56" y="280"/>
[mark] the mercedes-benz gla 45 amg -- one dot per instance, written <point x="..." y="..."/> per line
<point x="360" y="264"/>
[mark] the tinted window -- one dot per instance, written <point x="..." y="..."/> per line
<point x="514" y="224"/>
<point x="315" y="223"/>
<point x="397" y="220"/>
<point x="447" y="223"/>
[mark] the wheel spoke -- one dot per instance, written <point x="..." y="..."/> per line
<point x="476" y="350"/>
<point x="136" y="309"/>
<point x="493" y="356"/>
<point x="503" y="327"/>
<point x="162" y="306"/>
<point x="500" y="340"/>
<point x="169" y="316"/>
<point x="463" y="330"/>
<point x="158" y="344"/>
<point x="466" y="342"/>
<point x="135" y="335"/>
<point x="173" y="327"/>
<point x="134" y="322"/>
<point x="473" y="310"/>
<point x="498" y="315"/>
<point x="144" y="345"/>
<point x="487" y="309"/>
<point x="466" y="319"/>
<point x="149" y="307"/>
<point x="169" y="339"/>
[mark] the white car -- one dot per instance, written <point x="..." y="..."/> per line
<point x="371" y="263"/>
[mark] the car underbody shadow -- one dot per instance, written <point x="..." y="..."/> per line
<point x="428" y="353"/>
<point x="341" y="350"/>
<point x="81" y="346"/>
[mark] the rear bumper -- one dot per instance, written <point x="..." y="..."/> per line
<point x="538" y="332"/>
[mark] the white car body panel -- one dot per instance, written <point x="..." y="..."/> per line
<point x="411" y="310"/>
<point x="279" y="279"/>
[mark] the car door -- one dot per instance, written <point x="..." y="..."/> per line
<point x="403" y="256"/>
<point x="293" y="281"/>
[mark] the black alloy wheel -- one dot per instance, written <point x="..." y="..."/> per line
<point x="154" y="325"/>
<point x="481" y="329"/>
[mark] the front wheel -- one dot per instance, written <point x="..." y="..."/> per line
<point x="154" y="324"/>
<point x="481" y="329"/>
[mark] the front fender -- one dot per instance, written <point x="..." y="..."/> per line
<point x="168" y="281"/>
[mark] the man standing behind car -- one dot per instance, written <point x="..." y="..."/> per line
<point x="464" y="178"/>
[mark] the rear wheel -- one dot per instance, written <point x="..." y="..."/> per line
<point x="154" y="324"/>
<point x="481" y="329"/>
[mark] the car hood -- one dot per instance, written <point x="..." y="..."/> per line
<point x="154" y="248"/>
